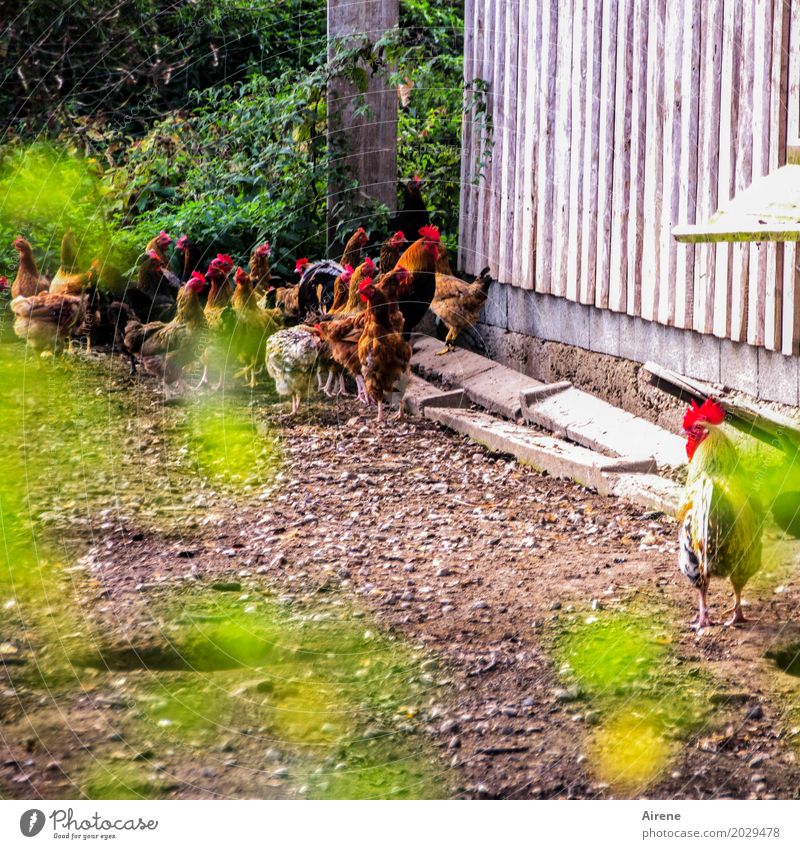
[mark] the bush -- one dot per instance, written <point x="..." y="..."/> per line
<point x="229" y="162"/>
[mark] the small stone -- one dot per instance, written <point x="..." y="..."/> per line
<point x="758" y="778"/>
<point x="755" y="712"/>
<point x="281" y="772"/>
<point x="480" y="605"/>
<point x="226" y="586"/>
<point x="567" y="694"/>
<point x="454" y="743"/>
<point x="556" y="605"/>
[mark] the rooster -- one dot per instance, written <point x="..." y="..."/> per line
<point x="293" y="357"/>
<point x="166" y="349"/>
<point x="391" y="250"/>
<point x="413" y="214"/>
<point x="159" y="244"/>
<point x="253" y="325"/>
<point x="317" y="278"/>
<point x="68" y="281"/>
<point x="342" y="336"/>
<point x="216" y="311"/>
<point x="190" y="257"/>
<point x="341" y="288"/>
<point x="720" y="519"/>
<point x="151" y="298"/>
<point x="458" y="303"/>
<point x="382" y="352"/>
<point x="420" y="260"/>
<point x="28" y="281"/>
<point x="47" y="320"/>
<point x="355" y="303"/>
<point x="260" y="272"/>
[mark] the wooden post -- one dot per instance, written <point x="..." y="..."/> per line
<point x="367" y="144"/>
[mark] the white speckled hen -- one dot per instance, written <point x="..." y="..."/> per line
<point x="293" y="358"/>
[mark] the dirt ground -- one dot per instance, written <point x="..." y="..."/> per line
<point x="485" y="568"/>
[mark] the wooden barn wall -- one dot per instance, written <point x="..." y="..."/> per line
<point x="612" y="121"/>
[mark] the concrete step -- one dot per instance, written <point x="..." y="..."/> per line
<point x="421" y="394"/>
<point x="596" y="424"/>
<point x="608" y="476"/>
<point x="486" y="383"/>
<point x="558" y="407"/>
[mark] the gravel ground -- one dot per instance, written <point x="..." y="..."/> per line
<point x="483" y="566"/>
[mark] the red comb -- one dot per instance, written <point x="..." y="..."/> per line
<point x="347" y="271"/>
<point x="197" y="282"/>
<point x="709" y="411"/>
<point x="181" y="243"/>
<point x="299" y="264"/>
<point x="223" y="260"/>
<point x="430" y="233"/>
<point x="369" y="266"/>
<point x="264" y="250"/>
<point x="155" y="256"/>
<point x="399" y="236"/>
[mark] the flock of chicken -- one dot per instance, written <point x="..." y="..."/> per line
<point x="351" y="317"/>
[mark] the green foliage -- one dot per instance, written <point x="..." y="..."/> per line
<point x="45" y="189"/>
<point x="213" y="122"/>
<point x="135" y="61"/>
<point x="429" y="122"/>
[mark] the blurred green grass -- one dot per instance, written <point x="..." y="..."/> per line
<point x="83" y="446"/>
<point x="621" y="664"/>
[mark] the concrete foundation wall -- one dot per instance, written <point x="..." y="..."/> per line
<point x="516" y="322"/>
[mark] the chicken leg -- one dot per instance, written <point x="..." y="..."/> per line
<point x="736" y="610"/>
<point x="704" y="617"/>
<point x="449" y="342"/>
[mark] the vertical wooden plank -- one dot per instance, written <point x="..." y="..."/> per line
<point x="520" y="241"/>
<point x="674" y="257"/>
<point x="563" y="127"/>
<point x="545" y="184"/>
<point x="613" y="291"/>
<point x="486" y="41"/>
<point x="467" y="139"/>
<point x="721" y="307"/>
<point x="609" y="85"/>
<point x="740" y="254"/>
<point x="593" y="141"/>
<point x="638" y="123"/>
<point x="508" y="201"/>
<point x="653" y="162"/>
<point x="533" y="94"/>
<point x="582" y="48"/>
<point x="707" y="160"/>
<point x="791" y="273"/>
<point x="773" y="299"/>
<point x="762" y="11"/>
<point x="683" y="289"/>
<point x="670" y="170"/>
<point x="501" y="142"/>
